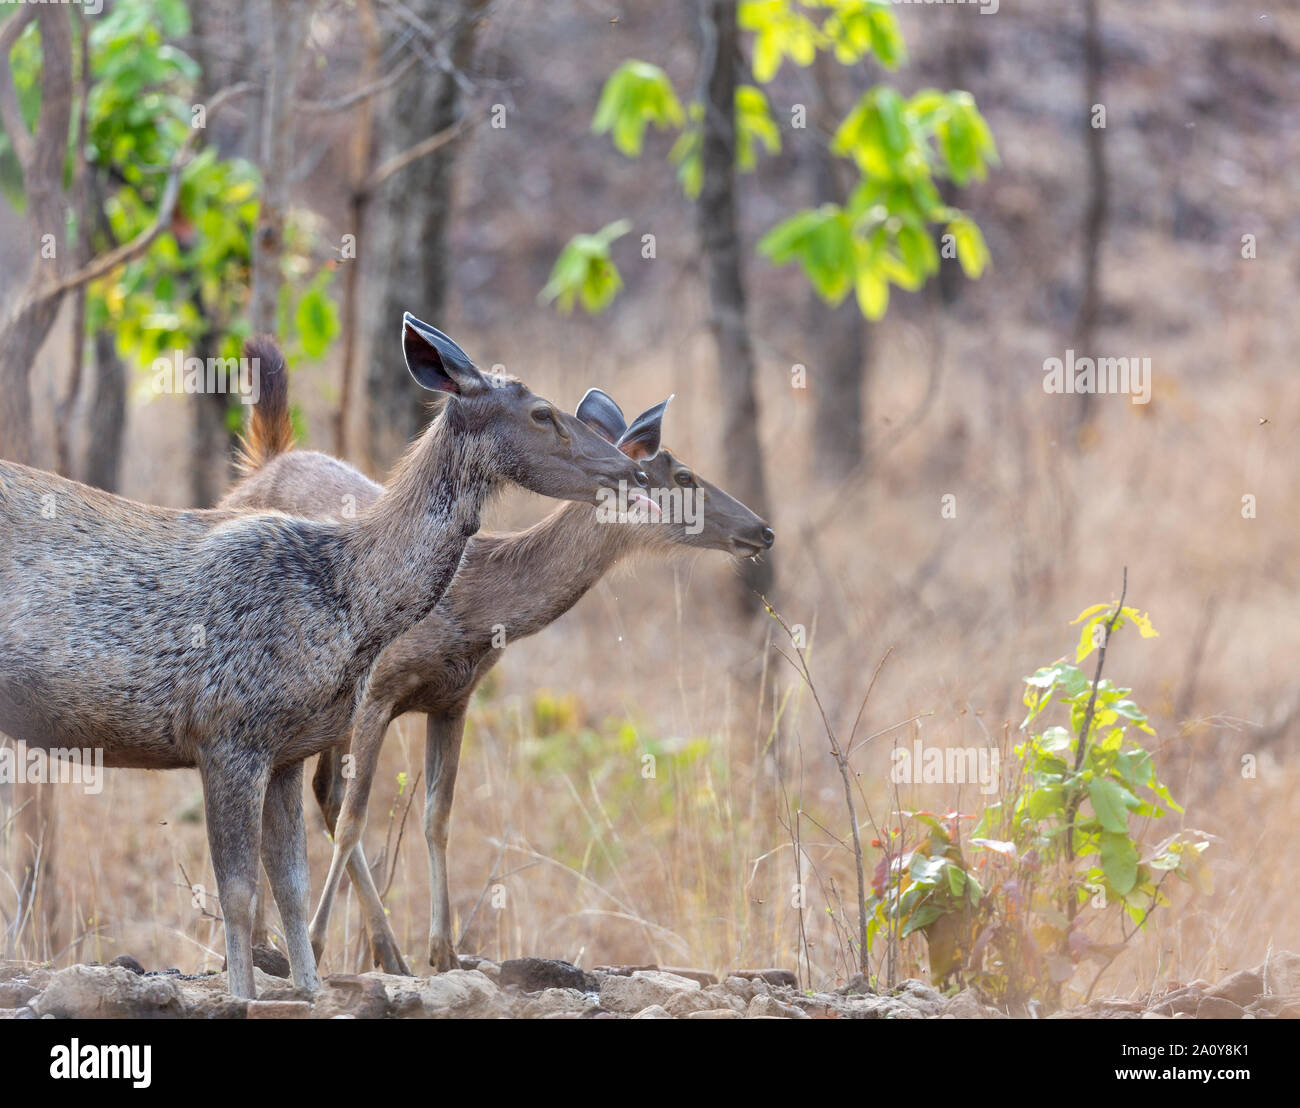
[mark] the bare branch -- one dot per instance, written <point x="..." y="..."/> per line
<point x="129" y="251"/>
<point x="414" y="153"/>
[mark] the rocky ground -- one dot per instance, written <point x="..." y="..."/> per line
<point x="537" y="988"/>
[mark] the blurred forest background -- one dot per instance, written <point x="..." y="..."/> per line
<point x="358" y="158"/>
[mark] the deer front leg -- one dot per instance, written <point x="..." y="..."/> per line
<point x="367" y="739"/>
<point x="328" y="784"/>
<point x="443" y="735"/>
<point x="284" y="854"/>
<point x="233" y="792"/>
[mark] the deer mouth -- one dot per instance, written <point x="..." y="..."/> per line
<point x="743" y="548"/>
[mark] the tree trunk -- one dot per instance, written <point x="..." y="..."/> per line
<point x="720" y="243"/>
<point x="41" y="156"/>
<point x="839" y="334"/>
<point x="407" y="265"/>
<point x="1094" y="221"/>
<point x="279" y="80"/>
<point x="106" y="420"/>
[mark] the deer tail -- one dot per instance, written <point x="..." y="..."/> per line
<point x="270" y="431"/>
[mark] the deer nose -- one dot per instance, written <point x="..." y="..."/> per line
<point x="769" y="536"/>
<point x="643" y="478"/>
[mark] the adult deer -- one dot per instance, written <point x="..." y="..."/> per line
<point x="240" y="642"/>
<point x="518" y="582"/>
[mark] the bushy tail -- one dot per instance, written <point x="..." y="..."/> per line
<point x="270" y="431"/>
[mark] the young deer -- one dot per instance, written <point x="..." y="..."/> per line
<point x="240" y="643"/>
<point x="522" y="582"/>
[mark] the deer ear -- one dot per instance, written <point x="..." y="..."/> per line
<point x="599" y="412"/>
<point x="436" y="362"/>
<point x="641" y="439"/>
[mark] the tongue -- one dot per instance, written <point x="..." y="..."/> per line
<point x="641" y="498"/>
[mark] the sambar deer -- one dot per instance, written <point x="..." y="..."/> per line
<point x="520" y="582"/>
<point x="240" y="643"/>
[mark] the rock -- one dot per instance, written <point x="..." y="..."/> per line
<point x="857" y="985"/>
<point x="270" y="961"/>
<point x="532" y="975"/>
<point x="771" y="976"/>
<point x="108" y="992"/>
<point x="17" y="1014"/>
<point x="966" y="1005"/>
<point x="1281" y="973"/>
<point x="769" y="1006"/>
<point x="1155" y="1016"/>
<point x="485" y="966"/>
<point x="358" y="996"/>
<point x="1217" y="1008"/>
<point x="460" y="993"/>
<point x="552" y="1002"/>
<point x="716" y="1014"/>
<point x="877" y="1008"/>
<point x="654" y="1012"/>
<point x="686" y="1002"/>
<point x="279" y="1010"/>
<point x="1184" y="1000"/>
<point x="16" y="993"/>
<point x="623" y="971"/>
<point x="925" y="999"/>
<point x="745" y="987"/>
<point x="1243" y="987"/>
<point x="702" y="976"/>
<point x="642" y="989"/>
<point x="127" y="962"/>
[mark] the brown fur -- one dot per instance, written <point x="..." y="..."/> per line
<point x="520" y="582"/>
<point x="240" y="642"/>
<point x="270" y="430"/>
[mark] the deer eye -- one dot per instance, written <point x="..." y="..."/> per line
<point x="685" y="479"/>
<point x="542" y="415"/>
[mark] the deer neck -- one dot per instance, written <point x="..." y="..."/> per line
<point x="404" y="549"/>
<point x="525" y="581"/>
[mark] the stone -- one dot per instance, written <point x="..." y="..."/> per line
<point x="716" y="1014"/>
<point x="127" y="962"/>
<point x="108" y="992"/>
<point x="925" y="999"/>
<point x="16" y="993"/>
<point x="551" y="1002"/>
<point x="532" y="975"/>
<point x="270" y="961"/>
<point x="358" y="996"/>
<point x="279" y="1010"/>
<point x="965" y="1005"/>
<point x="1243" y="987"/>
<point x="459" y="993"/>
<point x="642" y="989"/>
<point x="1281" y="973"/>
<point x="1217" y="1008"/>
<point x="654" y="1012"/>
<point x="771" y="976"/>
<point x="485" y="966"/>
<point x="702" y="976"/>
<point x="770" y="1006"/>
<point x="17" y="1014"/>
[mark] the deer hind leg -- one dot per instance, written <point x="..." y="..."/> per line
<point x="233" y="793"/>
<point x="443" y="735"/>
<point x="367" y="739"/>
<point x="328" y="784"/>
<point x="284" y="854"/>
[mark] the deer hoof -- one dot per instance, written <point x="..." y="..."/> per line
<point x="442" y="955"/>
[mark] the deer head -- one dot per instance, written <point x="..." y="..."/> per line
<point x="692" y="511"/>
<point x="534" y="443"/>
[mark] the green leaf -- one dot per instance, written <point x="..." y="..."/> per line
<point x="636" y="95"/>
<point x="1111" y="801"/>
<point x="1119" y="861"/>
<point x="585" y="271"/>
<point x="821" y="241"/>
